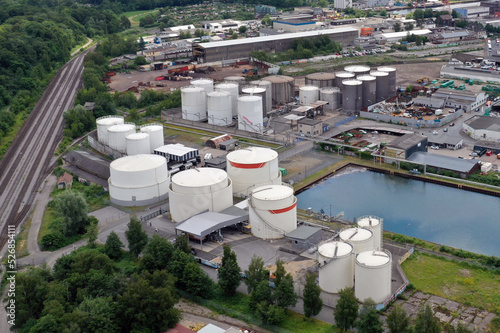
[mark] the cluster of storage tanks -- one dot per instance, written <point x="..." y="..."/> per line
<point x="123" y="137"/>
<point x="358" y="261"/>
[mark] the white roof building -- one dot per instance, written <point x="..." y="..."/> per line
<point x="392" y="37"/>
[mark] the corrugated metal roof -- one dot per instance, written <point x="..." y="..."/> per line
<point x="302" y="232"/>
<point x="406" y="141"/>
<point x="441" y="161"/>
<point x="204" y="224"/>
<point x="483" y="122"/>
<point x="402" y="34"/>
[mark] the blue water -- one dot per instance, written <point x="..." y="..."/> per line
<point x="445" y="215"/>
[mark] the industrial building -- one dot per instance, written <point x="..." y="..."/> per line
<point x="296" y="25"/>
<point x="463" y="167"/>
<point x="461" y="99"/>
<point x="483" y="128"/>
<point x="179" y="156"/>
<point x="241" y="48"/>
<point x="88" y="166"/>
<point x="305" y="237"/>
<point x="393" y="37"/>
<point x="221" y="25"/>
<point x="446" y="141"/>
<point x="404" y="146"/>
<point x="310" y="126"/>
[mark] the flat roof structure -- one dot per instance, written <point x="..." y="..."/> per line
<point x="302" y="232"/>
<point x="443" y="139"/>
<point x="406" y="141"/>
<point x="483" y="122"/>
<point x="444" y="162"/>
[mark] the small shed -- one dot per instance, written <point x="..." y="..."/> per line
<point x="217" y="162"/>
<point x="65" y="181"/>
<point x="228" y="145"/>
<point x="215" y="142"/>
<point x="305" y="237"/>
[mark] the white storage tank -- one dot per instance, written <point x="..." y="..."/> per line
<point x="272" y="211"/>
<point x="219" y="108"/>
<point x="308" y="95"/>
<point x="102" y="127"/>
<point x="117" y="135"/>
<point x="257" y="91"/>
<point x="239" y="80"/>
<point x="252" y="167"/>
<point x="207" y="84"/>
<point x="373" y="276"/>
<point x="193" y="191"/>
<point x="333" y="96"/>
<point x="194" y="103"/>
<point x="250" y="114"/>
<point x="269" y="92"/>
<point x="357" y="69"/>
<point x="375" y="224"/>
<point x="336" y="262"/>
<point x="138" y="143"/>
<point x="233" y="90"/>
<point x="138" y="180"/>
<point x="360" y="239"/>
<point x="156" y="137"/>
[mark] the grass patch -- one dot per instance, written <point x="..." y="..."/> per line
<point x="6" y="141"/>
<point x="296" y="322"/>
<point x="22" y="239"/>
<point x="135" y="13"/>
<point x="457" y="281"/>
<point x="48" y="217"/>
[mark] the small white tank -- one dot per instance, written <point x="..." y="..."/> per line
<point x="332" y="95"/>
<point x="194" y="103"/>
<point x="233" y="90"/>
<point x="336" y="262"/>
<point x="272" y="211"/>
<point x="373" y="274"/>
<point x="117" y="135"/>
<point x="219" y="108"/>
<point x="207" y="84"/>
<point x="102" y="127"/>
<point x="239" y="80"/>
<point x="156" y="137"/>
<point x="375" y="224"/>
<point x="250" y="114"/>
<point x="269" y="92"/>
<point x="257" y="91"/>
<point x="308" y="95"/>
<point x="138" y="143"/>
<point x="360" y="239"/>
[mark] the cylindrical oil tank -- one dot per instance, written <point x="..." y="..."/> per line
<point x="352" y="95"/>
<point x="360" y="239"/>
<point x="308" y="94"/>
<point x="219" y="108"/>
<point x="194" y="103"/>
<point x="207" y="84"/>
<point x="156" y="137"/>
<point x="250" y="116"/>
<point x="321" y="79"/>
<point x="239" y="80"/>
<point x="336" y="262"/>
<point x="375" y="224"/>
<point x="382" y="84"/>
<point x="252" y="167"/>
<point x="257" y="91"/>
<point x="331" y="95"/>
<point x="269" y="92"/>
<point x="373" y="276"/>
<point x="138" y="180"/>
<point x="117" y="135"/>
<point x="283" y="88"/>
<point x="357" y="69"/>
<point x="102" y="127"/>
<point x="138" y="143"/>
<point x="272" y="211"/>
<point x="233" y="90"/>
<point x="341" y="76"/>
<point x="193" y="191"/>
<point x="369" y="88"/>
<point x="392" y="79"/>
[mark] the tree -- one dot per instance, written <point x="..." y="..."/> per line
<point x="197" y="282"/>
<point x="229" y="273"/>
<point x="177" y="265"/>
<point x="460" y="328"/>
<point x="409" y="26"/>
<point x="125" y="22"/>
<point x="397" y="27"/>
<point x="346" y="311"/>
<point x="78" y="121"/>
<point x="425" y="321"/>
<point x="280" y="272"/>
<point x="323" y="3"/>
<point x="98" y="315"/>
<point x="71" y="207"/>
<point x="140" y="60"/>
<point x="113" y="246"/>
<point x="92" y="231"/>
<point x="182" y="243"/>
<point x="312" y="300"/>
<point x="418" y="14"/>
<point x="369" y="321"/>
<point x="141" y="45"/>
<point x="428" y="13"/>
<point x="242" y="29"/>
<point x="136" y="237"/>
<point x="398" y="321"/>
<point x="454" y="14"/>
<point x="160" y="250"/>
<point x="234" y="35"/>
<point x="284" y="294"/>
<point x="383" y="13"/>
<point x="255" y="273"/>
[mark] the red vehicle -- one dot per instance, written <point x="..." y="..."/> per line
<point x="489" y="152"/>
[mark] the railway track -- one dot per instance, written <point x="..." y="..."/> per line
<point x="31" y="155"/>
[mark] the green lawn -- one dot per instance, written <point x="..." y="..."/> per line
<point x="48" y="217"/>
<point x="135" y="13"/>
<point x="456" y="281"/>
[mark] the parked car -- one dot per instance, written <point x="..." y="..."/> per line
<point x="452" y="124"/>
<point x="435" y="147"/>
<point x="445" y="129"/>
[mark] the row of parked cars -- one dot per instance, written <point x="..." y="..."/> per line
<point x="362" y="53"/>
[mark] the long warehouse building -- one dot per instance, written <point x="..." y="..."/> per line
<point x="240" y="48"/>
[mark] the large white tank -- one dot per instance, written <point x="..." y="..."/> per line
<point x="207" y="84"/>
<point x="252" y="167"/>
<point x="272" y="211"/>
<point x="233" y="90"/>
<point x="375" y="224"/>
<point x="102" y="127"/>
<point x="138" y="143"/>
<point x="360" y="239"/>
<point x="373" y="276"/>
<point x="194" y="103"/>
<point x="219" y="108"/>
<point x="257" y="91"/>
<point x="138" y="180"/>
<point x="239" y="80"/>
<point x="269" y="92"/>
<point x="250" y="114"/>
<point x="117" y="135"/>
<point x="308" y="95"/>
<point x="333" y="96"/>
<point x="336" y="262"/>
<point x="156" y="137"/>
<point x="193" y="191"/>
<point x="357" y="69"/>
